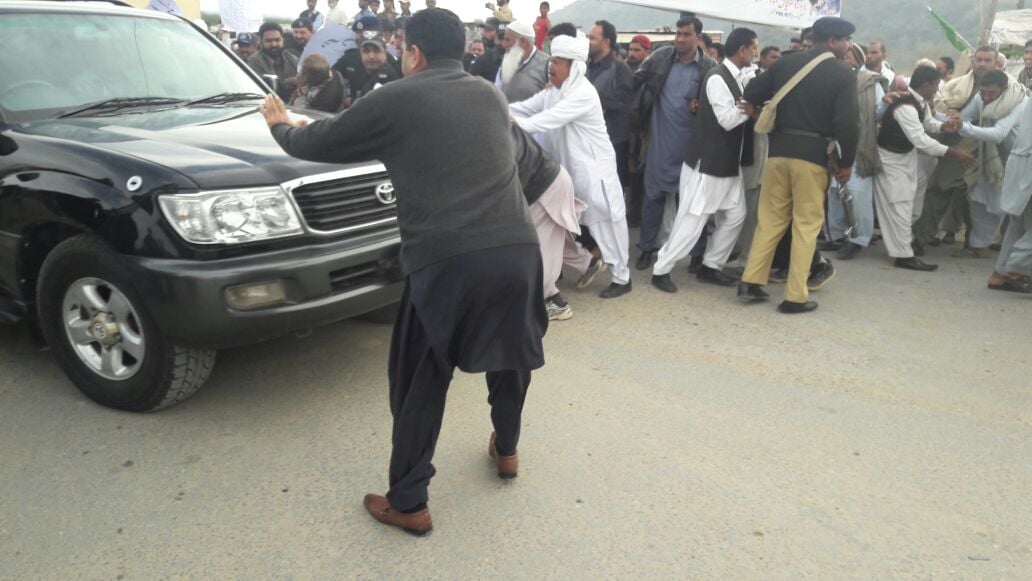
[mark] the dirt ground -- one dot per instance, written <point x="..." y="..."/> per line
<point x="888" y="435"/>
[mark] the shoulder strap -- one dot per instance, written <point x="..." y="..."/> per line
<point x="798" y="78"/>
<point x="766" y="121"/>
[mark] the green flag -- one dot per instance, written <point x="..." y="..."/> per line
<point x="952" y="35"/>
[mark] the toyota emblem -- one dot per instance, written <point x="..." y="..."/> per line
<point x="385" y="193"/>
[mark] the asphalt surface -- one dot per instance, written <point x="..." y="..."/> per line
<point x="888" y="435"/>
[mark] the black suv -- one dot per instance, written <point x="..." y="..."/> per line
<point x="147" y="217"/>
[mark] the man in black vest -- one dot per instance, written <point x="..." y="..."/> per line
<point x="470" y="254"/>
<point x="711" y="177"/>
<point x="904" y="132"/>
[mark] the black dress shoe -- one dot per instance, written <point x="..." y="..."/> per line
<point x="829" y="245"/>
<point x="646" y="260"/>
<point x="663" y="283"/>
<point x="918" y="247"/>
<point x="752" y="292"/>
<point x="695" y="265"/>
<point x="849" y="250"/>
<point x="714" y="276"/>
<point x="790" y="308"/>
<point x="615" y="290"/>
<point x="914" y="263"/>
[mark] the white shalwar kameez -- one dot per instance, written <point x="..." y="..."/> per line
<point x="896" y="185"/>
<point x="569" y="125"/>
<point x="704" y="195"/>
<point x="984" y="196"/>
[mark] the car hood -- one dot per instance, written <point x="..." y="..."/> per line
<point x="213" y="147"/>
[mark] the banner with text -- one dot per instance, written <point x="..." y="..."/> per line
<point x="781" y="13"/>
<point x="240" y="15"/>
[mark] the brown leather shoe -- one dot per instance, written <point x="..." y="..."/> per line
<point x="416" y="523"/>
<point x="507" y="465"/>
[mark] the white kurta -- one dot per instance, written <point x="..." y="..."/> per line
<point x="707" y="194"/>
<point x="573" y="131"/>
<point x="895" y="186"/>
<point x="703" y="195"/>
<point x="1001" y="134"/>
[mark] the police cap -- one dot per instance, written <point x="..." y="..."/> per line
<point x="831" y="27"/>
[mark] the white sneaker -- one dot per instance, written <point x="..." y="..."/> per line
<point x="557" y="312"/>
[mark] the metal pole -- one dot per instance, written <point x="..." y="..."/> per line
<point x="981" y="20"/>
<point x="989" y="18"/>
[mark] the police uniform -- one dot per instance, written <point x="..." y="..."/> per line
<point x="822" y="108"/>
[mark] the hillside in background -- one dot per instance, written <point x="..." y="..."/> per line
<point x="910" y="33"/>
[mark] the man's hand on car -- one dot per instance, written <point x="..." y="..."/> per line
<point x="276" y="113"/>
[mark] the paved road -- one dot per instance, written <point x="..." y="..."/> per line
<point x="887" y="436"/>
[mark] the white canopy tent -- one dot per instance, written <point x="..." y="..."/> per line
<point x="795" y="14"/>
<point x="1011" y="28"/>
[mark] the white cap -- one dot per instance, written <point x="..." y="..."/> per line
<point x="521" y="28"/>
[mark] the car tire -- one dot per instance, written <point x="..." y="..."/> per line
<point x="102" y="336"/>
<point x="382" y="316"/>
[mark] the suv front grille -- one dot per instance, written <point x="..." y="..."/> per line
<point x="346" y="204"/>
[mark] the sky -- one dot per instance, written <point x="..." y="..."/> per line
<point x="468" y="10"/>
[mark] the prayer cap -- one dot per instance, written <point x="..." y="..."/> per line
<point x="521" y="28"/>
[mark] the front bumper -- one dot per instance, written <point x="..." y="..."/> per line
<point x="324" y="284"/>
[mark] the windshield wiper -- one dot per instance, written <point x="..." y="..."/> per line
<point x="109" y="105"/>
<point x="223" y="98"/>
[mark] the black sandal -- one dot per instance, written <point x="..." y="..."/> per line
<point x="1014" y="285"/>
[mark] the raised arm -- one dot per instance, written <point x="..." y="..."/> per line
<point x="998" y="132"/>
<point x="529" y="107"/>
<point x="567" y="110"/>
<point x="360" y="133"/>
<point x="911" y="124"/>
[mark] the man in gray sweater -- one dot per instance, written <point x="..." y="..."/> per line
<point x="473" y="296"/>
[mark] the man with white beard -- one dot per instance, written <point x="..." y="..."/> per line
<point x="524" y="70"/>
<point x="567" y="118"/>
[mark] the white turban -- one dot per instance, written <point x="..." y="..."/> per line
<point x="521" y="28"/>
<point x="567" y="47"/>
<point x="575" y="49"/>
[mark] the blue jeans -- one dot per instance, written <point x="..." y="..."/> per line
<point x="862" y="190"/>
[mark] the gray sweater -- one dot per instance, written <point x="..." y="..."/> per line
<point x="445" y="139"/>
<point x="529" y="80"/>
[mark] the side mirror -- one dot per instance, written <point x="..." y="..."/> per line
<point x="273" y="81"/>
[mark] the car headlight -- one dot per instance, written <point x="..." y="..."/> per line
<point x="231" y="217"/>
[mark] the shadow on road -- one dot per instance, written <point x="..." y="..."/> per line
<point x="332" y="357"/>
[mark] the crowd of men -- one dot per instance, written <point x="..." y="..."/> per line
<point x="503" y="180"/>
<point x="664" y="139"/>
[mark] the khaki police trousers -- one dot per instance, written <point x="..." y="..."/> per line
<point x="792" y="191"/>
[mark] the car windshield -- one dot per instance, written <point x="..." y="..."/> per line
<point x="54" y="64"/>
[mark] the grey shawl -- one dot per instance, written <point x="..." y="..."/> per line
<point x="867" y="161"/>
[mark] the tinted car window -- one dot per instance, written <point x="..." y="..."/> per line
<point x="92" y="58"/>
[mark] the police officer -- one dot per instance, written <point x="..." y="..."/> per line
<point x="350" y="65"/>
<point x="374" y="60"/>
<point x="822" y="107"/>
